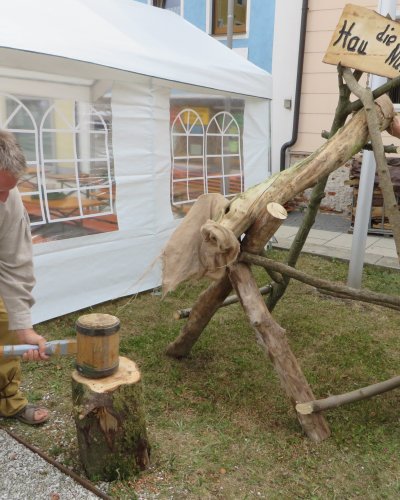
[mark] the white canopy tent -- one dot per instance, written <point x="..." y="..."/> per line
<point x="87" y="87"/>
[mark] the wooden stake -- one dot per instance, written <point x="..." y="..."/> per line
<point x="348" y="397"/>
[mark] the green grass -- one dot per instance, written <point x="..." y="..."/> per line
<point x="219" y="423"/>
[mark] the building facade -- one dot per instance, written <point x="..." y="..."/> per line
<point x="253" y="24"/>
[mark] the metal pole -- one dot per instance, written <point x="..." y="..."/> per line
<point x="229" y="24"/>
<point x="366" y="186"/>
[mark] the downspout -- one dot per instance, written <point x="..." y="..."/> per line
<point x="229" y="24"/>
<point x="299" y="78"/>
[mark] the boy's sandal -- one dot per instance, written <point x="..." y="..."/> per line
<point x="27" y="415"/>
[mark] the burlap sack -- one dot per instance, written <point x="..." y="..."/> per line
<point x="199" y="246"/>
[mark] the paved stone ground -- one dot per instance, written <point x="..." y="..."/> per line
<point x="331" y="236"/>
<point x="325" y="221"/>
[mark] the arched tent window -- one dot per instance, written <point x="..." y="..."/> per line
<point x="224" y="173"/>
<point x="188" y="172"/>
<point x="76" y="170"/>
<point x="18" y="119"/>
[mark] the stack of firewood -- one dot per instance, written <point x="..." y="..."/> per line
<point x="379" y="222"/>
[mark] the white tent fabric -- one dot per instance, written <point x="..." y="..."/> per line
<point x="124" y="35"/>
<point x="74" y="49"/>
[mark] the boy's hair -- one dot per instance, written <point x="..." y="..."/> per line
<point x="12" y="159"/>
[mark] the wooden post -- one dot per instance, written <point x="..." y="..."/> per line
<point x="107" y="403"/>
<point x="274" y="340"/>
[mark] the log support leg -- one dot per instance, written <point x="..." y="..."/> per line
<point x="203" y="310"/>
<point x="274" y="340"/>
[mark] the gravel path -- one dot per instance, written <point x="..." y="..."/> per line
<point x="25" y="475"/>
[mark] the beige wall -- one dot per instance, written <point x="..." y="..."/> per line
<point x="319" y="86"/>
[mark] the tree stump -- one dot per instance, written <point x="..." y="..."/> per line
<point x="110" y="423"/>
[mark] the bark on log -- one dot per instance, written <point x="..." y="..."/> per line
<point x="348" y="397"/>
<point x="110" y="423"/>
<point x="274" y="340"/>
<point x="211" y="299"/>
<point x="343" y="291"/>
<point x="232" y="299"/>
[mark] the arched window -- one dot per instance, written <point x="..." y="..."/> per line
<point x="18" y="119"/>
<point x="76" y="170"/>
<point x="188" y="172"/>
<point x="224" y="172"/>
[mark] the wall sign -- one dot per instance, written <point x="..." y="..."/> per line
<point x="366" y="41"/>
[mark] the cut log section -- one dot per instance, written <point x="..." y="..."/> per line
<point x="110" y="423"/>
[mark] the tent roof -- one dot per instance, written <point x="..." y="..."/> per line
<point x="121" y="35"/>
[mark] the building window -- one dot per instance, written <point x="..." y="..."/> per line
<point x="220" y="16"/>
<point x="174" y="5"/>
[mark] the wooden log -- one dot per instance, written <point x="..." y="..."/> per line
<point x="232" y="299"/>
<point x="210" y="300"/>
<point x="273" y="338"/>
<point x="110" y="423"/>
<point x="382" y="299"/>
<point x="348" y="140"/>
<point x="349" y="397"/>
<point x="264" y="227"/>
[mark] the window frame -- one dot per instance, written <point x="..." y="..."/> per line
<point x="237" y="30"/>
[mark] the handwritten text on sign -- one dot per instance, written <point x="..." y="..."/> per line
<point x="366" y="41"/>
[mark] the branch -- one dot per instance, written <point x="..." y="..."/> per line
<point x="380" y="299"/>
<point x="348" y="397"/>
<point x="383" y="89"/>
<point x="389" y="149"/>
<point x="385" y="182"/>
<point x="232" y="299"/>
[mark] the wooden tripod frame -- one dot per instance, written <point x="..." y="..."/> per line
<point x="258" y="214"/>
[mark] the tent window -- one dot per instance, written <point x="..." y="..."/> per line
<point x="22" y="122"/>
<point x="220" y="16"/>
<point x="206" y="145"/>
<point x="69" y="179"/>
<point x="224" y="159"/>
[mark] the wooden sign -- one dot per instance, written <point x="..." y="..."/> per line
<point x="366" y="41"/>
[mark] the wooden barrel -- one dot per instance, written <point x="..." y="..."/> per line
<point x="97" y="345"/>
